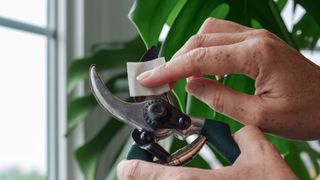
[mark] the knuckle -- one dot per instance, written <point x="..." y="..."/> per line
<point x="209" y="21"/>
<point x="264" y="33"/>
<point x="216" y="101"/>
<point x="162" y="68"/>
<point x="264" y="44"/>
<point x="131" y="172"/>
<point x="196" y="57"/>
<point x="196" y="41"/>
<point x="199" y="54"/>
<point x="261" y="45"/>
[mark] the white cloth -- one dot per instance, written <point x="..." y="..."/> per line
<point x="136" y="68"/>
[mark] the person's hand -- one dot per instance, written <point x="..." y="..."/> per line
<point x="287" y="96"/>
<point x="258" y="160"/>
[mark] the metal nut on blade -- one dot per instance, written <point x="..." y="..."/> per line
<point x="157" y="110"/>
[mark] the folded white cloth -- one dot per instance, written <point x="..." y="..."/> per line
<point x="136" y="68"/>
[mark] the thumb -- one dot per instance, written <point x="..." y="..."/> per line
<point x="252" y="142"/>
<point x="250" y="139"/>
<point x="136" y="170"/>
<point x="223" y="99"/>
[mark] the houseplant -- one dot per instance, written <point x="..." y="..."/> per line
<point x="184" y="18"/>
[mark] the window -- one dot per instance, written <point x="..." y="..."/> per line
<point x="27" y="44"/>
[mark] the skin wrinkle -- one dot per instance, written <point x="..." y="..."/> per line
<point x="195" y="61"/>
<point x="261" y="146"/>
<point x="217" y="102"/>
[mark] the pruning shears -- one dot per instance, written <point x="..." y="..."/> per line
<point x="155" y="118"/>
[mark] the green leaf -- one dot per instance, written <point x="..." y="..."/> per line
<point x="292" y="150"/>
<point x="266" y="12"/>
<point x="199" y="109"/>
<point x="175" y="11"/>
<point x="105" y="59"/>
<point x="313" y="154"/>
<point x="123" y="155"/>
<point x="255" y="24"/>
<point x="306" y="32"/>
<point x="149" y="18"/>
<point x="218" y="156"/>
<point x="281" y="144"/>
<point x="185" y="21"/>
<point x="281" y="4"/>
<point x="312" y="8"/>
<point x="80" y="108"/>
<point x="296" y="164"/>
<point x="270" y="19"/>
<point x="88" y="155"/>
<point x="220" y="11"/>
<point x="180" y="93"/>
<point x="198" y="162"/>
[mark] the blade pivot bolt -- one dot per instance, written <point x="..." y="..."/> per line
<point x="183" y="122"/>
<point x="157" y="110"/>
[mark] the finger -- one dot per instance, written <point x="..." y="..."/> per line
<point x="223" y="99"/>
<point x="136" y="170"/>
<point x="219" y="60"/>
<point x="257" y="150"/>
<point x="251" y="141"/>
<point x="213" y="25"/>
<point x="247" y="136"/>
<point x="212" y="39"/>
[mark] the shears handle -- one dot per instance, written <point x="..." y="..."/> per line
<point x="218" y="134"/>
<point x="136" y="152"/>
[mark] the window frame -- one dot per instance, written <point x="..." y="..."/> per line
<point x="50" y="32"/>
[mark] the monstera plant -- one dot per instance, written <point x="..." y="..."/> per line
<point x="184" y="17"/>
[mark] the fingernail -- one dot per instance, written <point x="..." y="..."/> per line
<point x="144" y="75"/>
<point x="194" y="87"/>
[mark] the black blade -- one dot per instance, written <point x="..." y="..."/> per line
<point x="151" y="54"/>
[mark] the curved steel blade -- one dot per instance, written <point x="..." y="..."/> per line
<point x="130" y="113"/>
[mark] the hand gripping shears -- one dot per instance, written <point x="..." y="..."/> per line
<point x="155" y="118"/>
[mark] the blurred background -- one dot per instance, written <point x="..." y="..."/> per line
<point x="38" y="40"/>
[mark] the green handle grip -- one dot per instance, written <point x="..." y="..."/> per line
<point x="219" y="136"/>
<point x="136" y="152"/>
